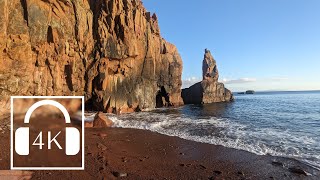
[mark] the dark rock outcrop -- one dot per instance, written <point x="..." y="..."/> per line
<point x="209" y="90"/>
<point x="250" y="92"/>
<point x="110" y="51"/>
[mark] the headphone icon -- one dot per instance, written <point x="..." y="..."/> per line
<point x="72" y="134"/>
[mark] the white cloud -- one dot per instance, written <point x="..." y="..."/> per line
<point x="238" y="81"/>
<point x="190" y="81"/>
<point x="235" y="82"/>
<point x="193" y="80"/>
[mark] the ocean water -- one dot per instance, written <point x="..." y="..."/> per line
<point x="285" y="124"/>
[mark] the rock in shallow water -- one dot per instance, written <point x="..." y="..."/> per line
<point x="209" y="90"/>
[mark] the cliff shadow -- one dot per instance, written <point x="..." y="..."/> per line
<point x="193" y="94"/>
<point x="50" y="35"/>
<point x="68" y="76"/>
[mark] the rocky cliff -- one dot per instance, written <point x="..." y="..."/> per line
<point x="110" y="51"/>
<point x="209" y="90"/>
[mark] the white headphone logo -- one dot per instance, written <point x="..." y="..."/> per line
<point x="72" y="134"/>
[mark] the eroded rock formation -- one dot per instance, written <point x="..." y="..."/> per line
<point x="110" y="51"/>
<point x="209" y="90"/>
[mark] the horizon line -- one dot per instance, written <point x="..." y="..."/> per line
<point x="278" y="91"/>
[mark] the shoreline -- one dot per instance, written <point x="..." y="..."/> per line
<point x="111" y="153"/>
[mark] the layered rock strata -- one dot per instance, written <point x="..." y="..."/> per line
<point x="110" y="51"/>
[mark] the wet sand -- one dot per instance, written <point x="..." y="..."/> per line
<point x="137" y="154"/>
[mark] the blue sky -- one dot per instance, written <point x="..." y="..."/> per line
<point x="258" y="44"/>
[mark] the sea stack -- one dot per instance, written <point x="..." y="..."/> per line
<point x="109" y="51"/>
<point x="209" y="90"/>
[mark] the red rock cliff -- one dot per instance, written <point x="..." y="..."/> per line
<point x="110" y="51"/>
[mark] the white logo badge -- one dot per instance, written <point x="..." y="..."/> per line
<point x="45" y="147"/>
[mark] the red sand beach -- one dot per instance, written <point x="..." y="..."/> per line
<point x="112" y="153"/>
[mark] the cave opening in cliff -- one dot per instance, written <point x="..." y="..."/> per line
<point x="162" y="98"/>
<point x="50" y="35"/>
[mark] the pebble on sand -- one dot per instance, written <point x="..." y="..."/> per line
<point x="298" y="170"/>
<point x="119" y="174"/>
<point x="102" y="147"/>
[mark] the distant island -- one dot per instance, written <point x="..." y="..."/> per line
<point x="248" y="92"/>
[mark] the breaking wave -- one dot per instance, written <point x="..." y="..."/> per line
<point x="287" y="132"/>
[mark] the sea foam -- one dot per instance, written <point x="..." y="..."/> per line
<point x="219" y="131"/>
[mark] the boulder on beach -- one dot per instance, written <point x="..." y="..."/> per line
<point x="101" y="121"/>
